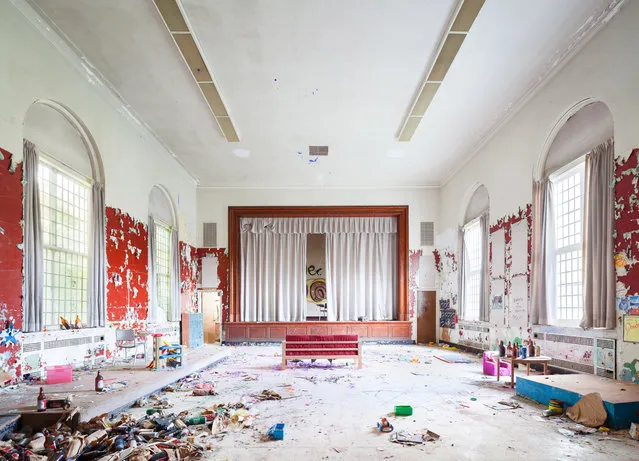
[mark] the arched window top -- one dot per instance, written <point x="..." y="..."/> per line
<point x="476" y="204"/>
<point x="586" y="125"/>
<point x="161" y="206"/>
<point x="59" y="133"/>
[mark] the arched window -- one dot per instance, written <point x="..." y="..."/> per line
<point x="64" y="221"/>
<point x="164" y="272"/>
<point x="573" y="205"/>
<point x="473" y="260"/>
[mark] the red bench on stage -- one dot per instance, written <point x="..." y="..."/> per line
<point x="298" y="347"/>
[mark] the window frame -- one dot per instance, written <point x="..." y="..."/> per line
<point x="159" y="224"/>
<point x="476" y="222"/>
<point x="577" y="166"/>
<point x="63" y="170"/>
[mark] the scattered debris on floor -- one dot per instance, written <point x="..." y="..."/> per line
<point x="504" y="405"/>
<point x="268" y="395"/>
<point x="408" y="438"/>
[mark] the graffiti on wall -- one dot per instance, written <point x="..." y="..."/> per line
<point x="127" y="270"/>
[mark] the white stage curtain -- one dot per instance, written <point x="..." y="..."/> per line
<point x="361" y="276"/>
<point x="273" y="275"/>
<point x="319" y="225"/>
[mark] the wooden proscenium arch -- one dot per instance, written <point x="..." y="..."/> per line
<point x="398" y="212"/>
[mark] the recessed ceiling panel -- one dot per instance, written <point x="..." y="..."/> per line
<point x="213" y="98"/>
<point x="193" y="57"/>
<point x="449" y="50"/>
<point x="466" y="16"/>
<point x="425" y="97"/>
<point x="409" y="128"/>
<point x="172" y="16"/>
<point x="228" y="129"/>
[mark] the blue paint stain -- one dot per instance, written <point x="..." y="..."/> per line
<point x="275" y="80"/>
<point x="313" y="161"/>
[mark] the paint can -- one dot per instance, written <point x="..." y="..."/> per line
<point x="556" y="406"/>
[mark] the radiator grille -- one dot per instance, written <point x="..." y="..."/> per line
<point x="67" y="342"/>
<point x="573" y="366"/>
<point x="31" y="347"/>
<point x="584" y="341"/>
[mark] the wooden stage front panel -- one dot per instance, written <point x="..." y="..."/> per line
<point x="235" y="332"/>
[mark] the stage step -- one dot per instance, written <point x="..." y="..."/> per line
<point x="620" y="399"/>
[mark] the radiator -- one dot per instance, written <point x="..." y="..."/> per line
<point x="474" y="335"/>
<point x="76" y="347"/>
<point x="581" y="353"/>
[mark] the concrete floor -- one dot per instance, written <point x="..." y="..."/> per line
<point x="331" y="412"/>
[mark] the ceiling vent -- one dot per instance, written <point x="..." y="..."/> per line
<point x="427" y="234"/>
<point x="317" y="150"/>
<point x="209" y="234"/>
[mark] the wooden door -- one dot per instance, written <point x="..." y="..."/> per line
<point x="210" y="306"/>
<point x="426" y="317"/>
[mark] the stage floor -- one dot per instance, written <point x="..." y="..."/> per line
<point x="620" y="399"/>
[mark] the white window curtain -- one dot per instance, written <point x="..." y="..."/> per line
<point x="361" y="276"/>
<point x="33" y="264"/>
<point x="484" y="300"/>
<point x="176" y="311"/>
<point x="97" y="258"/>
<point x="273" y="272"/>
<point x="544" y="256"/>
<point x="599" y="274"/>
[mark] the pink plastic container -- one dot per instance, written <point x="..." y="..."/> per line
<point x="57" y="374"/>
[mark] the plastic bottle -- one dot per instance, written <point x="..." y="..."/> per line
<point x="197" y="420"/>
<point x="42" y="400"/>
<point x="509" y="350"/>
<point x="99" y="382"/>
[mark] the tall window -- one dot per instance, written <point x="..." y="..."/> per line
<point x="568" y="196"/>
<point x="472" y="270"/>
<point x="64" y="205"/>
<point x="163" y="270"/>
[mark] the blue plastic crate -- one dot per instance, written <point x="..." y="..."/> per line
<point x="276" y="432"/>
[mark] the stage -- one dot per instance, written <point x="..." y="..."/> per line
<point x="239" y="332"/>
<point x="620" y="399"/>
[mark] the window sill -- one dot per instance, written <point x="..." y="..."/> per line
<point x="64" y="334"/>
<point x="575" y="331"/>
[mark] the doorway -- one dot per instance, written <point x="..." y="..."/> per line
<point x="426" y="317"/>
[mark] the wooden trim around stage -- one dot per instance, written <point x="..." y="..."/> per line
<point x="399" y="212"/>
<point x="235" y="332"/>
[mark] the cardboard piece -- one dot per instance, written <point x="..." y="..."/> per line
<point x="589" y="411"/>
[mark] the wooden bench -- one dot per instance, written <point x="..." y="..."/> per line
<point x="331" y="347"/>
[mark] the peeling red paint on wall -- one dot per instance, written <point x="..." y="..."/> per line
<point x="413" y="267"/>
<point x="506" y="223"/>
<point x="222" y="255"/>
<point x="127" y="270"/>
<point x="189" y="276"/>
<point x="627" y="224"/>
<point x="10" y="261"/>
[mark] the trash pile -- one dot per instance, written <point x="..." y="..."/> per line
<point x="192" y="382"/>
<point x="155" y="437"/>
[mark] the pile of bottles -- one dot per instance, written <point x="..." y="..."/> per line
<point x="525" y="350"/>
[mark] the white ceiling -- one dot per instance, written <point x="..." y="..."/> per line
<point x="346" y="73"/>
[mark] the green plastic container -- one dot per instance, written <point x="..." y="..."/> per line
<point x="403" y="410"/>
